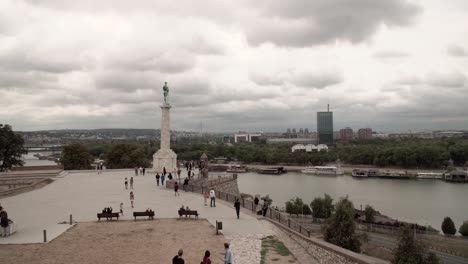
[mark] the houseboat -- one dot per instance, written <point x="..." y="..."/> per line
<point x="457" y="176"/>
<point x="360" y="173"/>
<point x="237" y="169"/>
<point x="322" y="170"/>
<point x="394" y="175"/>
<point x="273" y="170"/>
<point x="429" y="175"/>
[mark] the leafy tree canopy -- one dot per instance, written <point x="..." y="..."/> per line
<point x="322" y="207"/>
<point x="448" y="227"/>
<point x="410" y="251"/>
<point x="464" y="229"/>
<point x="370" y="213"/>
<point x="76" y="157"/>
<point x="126" y="155"/>
<point x="11" y="148"/>
<point x="340" y="228"/>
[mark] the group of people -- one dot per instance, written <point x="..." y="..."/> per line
<point x="162" y="177"/>
<point x="99" y="167"/>
<point x="107" y="210"/>
<point x="140" y="171"/>
<point x="4" y="221"/>
<point x="212" y="196"/>
<point x="178" y="259"/>
<point x="126" y="183"/>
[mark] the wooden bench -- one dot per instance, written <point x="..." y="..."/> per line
<point x="149" y="214"/>
<point x="107" y="215"/>
<point x="188" y="213"/>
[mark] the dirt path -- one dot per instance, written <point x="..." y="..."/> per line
<point x="123" y="242"/>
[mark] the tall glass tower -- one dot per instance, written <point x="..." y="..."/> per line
<point x="325" y="127"/>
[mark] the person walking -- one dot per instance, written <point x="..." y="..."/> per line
<point x="176" y="189"/>
<point x="206" y="258"/>
<point x="132" y="197"/>
<point x="131" y="182"/>
<point x="212" y="198"/>
<point x="178" y="258"/>
<point x="136" y="171"/>
<point x="205" y="197"/>
<point x="256" y="200"/>
<point x="126" y="183"/>
<point x="164" y="171"/>
<point x="265" y="208"/>
<point x="144" y="170"/>
<point x="237" y="206"/>
<point x="141" y="170"/>
<point x="185" y="186"/>
<point x="163" y="177"/>
<point x="227" y="254"/>
<point x="157" y="178"/>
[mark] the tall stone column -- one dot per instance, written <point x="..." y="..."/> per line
<point x="165" y="157"/>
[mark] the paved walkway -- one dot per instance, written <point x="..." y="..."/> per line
<point x="85" y="194"/>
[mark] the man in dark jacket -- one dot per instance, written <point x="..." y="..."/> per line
<point x="237" y="206"/>
<point x="178" y="258"/>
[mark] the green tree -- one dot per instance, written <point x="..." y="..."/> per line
<point x="410" y="251"/>
<point x="464" y="229"/>
<point x="370" y="214"/>
<point x="448" y="227"/>
<point x="126" y="155"/>
<point x="76" y="157"/>
<point x="295" y="206"/>
<point x="11" y="148"/>
<point x="340" y="227"/>
<point x="322" y="207"/>
<point x="306" y="209"/>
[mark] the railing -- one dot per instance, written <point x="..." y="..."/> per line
<point x="277" y="216"/>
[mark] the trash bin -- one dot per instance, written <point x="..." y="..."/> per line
<point x="219" y="226"/>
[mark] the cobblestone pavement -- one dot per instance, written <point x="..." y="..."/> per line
<point x="246" y="248"/>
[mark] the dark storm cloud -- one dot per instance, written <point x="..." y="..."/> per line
<point x="128" y="81"/>
<point x="27" y="80"/>
<point x="24" y="61"/>
<point x="304" y="22"/>
<point x="456" y="51"/>
<point x="447" y="80"/>
<point x="310" y="79"/>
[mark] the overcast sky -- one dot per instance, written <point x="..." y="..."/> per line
<point x="264" y="65"/>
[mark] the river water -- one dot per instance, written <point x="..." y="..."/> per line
<point x="425" y="202"/>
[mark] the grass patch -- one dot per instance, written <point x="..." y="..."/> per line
<point x="271" y="243"/>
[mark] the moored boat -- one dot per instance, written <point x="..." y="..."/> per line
<point x="237" y="169"/>
<point x="323" y="170"/>
<point x="429" y="175"/>
<point x="273" y="170"/>
<point x="360" y="173"/>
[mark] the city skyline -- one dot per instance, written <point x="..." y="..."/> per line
<point x="393" y="66"/>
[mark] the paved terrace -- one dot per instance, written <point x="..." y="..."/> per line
<point x="84" y="194"/>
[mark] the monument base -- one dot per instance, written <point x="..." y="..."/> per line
<point x="165" y="159"/>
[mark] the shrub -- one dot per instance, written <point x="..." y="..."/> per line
<point x="464" y="228"/>
<point x="448" y="227"/>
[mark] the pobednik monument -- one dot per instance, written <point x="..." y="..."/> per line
<point x="165" y="157"/>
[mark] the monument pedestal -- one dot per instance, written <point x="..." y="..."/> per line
<point x="165" y="157"/>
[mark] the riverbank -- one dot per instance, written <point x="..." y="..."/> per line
<point x="346" y="168"/>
